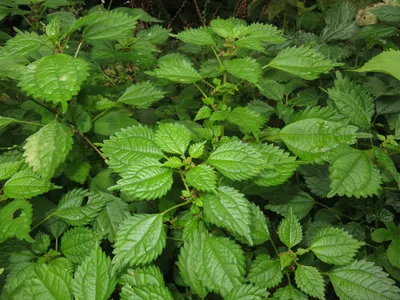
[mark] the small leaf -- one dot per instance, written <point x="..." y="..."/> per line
<point x="140" y="239"/>
<point x="271" y="89"/>
<point x="236" y="160"/>
<point x="335" y="246"/>
<point x="150" y="292"/>
<point x="146" y="180"/>
<point x="202" y="177"/>
<point x="77" y="171"/>
<point x="247" y="119"/>
<point x="149" y="275"/>
<point x="141" y="94"/>
<point x="303" y="62"/>
<point x="156" y="34"/>
<point x="15" y="220"/>
<point x="289" y="293"/>
<point x="196" y="150"/>
<point x="244" y="68"/>
<point x="231" y="28"/>
<point x="310" y="281"/>
<point x="198" y="36"/>
<point x="173" y="163"/>
<point x="265" y="272"/>
<point x="393" y="252"/>
<point x="383" y="63"/>
<point x="77" y="243"/>
<point x="173" y="138"/>
<point x="289" y="231"/>
<point x="247" y="292"/>
<point x="203" y="113"/>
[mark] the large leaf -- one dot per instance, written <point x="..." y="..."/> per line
<point x="26" y="43"/>
<point x="299" y="204"/>
<point x="236" y="160"/>
<point x="156" y="34"/>
<point x="26" y="184"/>
<point x="140" y="239"/>
<point x="244" y="68"/>
<point x="265" y="272"/>
<point x="289" y="231"/>
<point x="257" y="35"/>
<point x="77" y="243"/>
<point x="56" y="78"/>
<point x="202" y="177"/>
<point x="231" y="28"/>
<point x="149" y="275"/>
<point x="15" y="220"/>
<point x="353" y="101"/>
<point x="229" y="209"/>
<point x="173" y="138"/>
<point x="311" y="139"/>
<point x="198" y="36"/>
<point x="130" y="145"/>
<point x="93" y="279"/>
<point x="363" y="280"/>
<point x="141" y="94"/>
<point x="310" y="281"/>
<point x="146" y="180"/>
<point x="303" y="62"/>
<point x="46" y="149"/>
<point x="352" y="173"/>
<point x="386" y="62"/>
<point x="334" y="246"/>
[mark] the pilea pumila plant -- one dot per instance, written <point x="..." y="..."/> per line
<point x="232" y="161"/>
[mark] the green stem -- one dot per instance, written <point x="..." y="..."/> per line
<point x="78" y="49"/>
<point x="104" y="112"/>
<point x="216" y="55"/>
<point x="31" y="123"/>
<point x="201" y="91"/>
<point x="41" y="222"/>
<point x="175" y="239"/>
<point x="334" y="210"/>
<point x="93" y="146"/>
<point x="176" y="206"/>
<point x="209" y="84"/>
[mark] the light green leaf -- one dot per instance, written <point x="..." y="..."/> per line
<point x="198" y="36"/>
<point x="310" y="281"/>
<point x="46" y="149"/>
<point x="26" y="184"/>
<point x="190" y="263"/>
<point x="303" y="62"/>
<point x="311" y="139"/>
<point x="173" y="162"/>
<point x="56" y="78"/>
<point x="363" y="280"/>
<point x="156" y="34"/>
<point x="247" y="119"/>
<point x="289" y="231"/>
<point x="265" y="272"/>
<point x="393" y="252"/>
<point x="71" y="211"/>
<point x="335" y="246"/>
<point x="93" y="278"/>
<point x="203" y="113"/>
<point x="113" y="122"/>
<point x="229" y="29"/>
<point x="257" y="35"/>
<point x="285" y="259"/>
<point x="173" y="138"/>
<point x="299" y="204"/>
<point x="271" y="89"/>
<point x="130" y="145"/>
<point x="236" y="160"/>
<point x="224" y="265"/>
<point x="146" y="292"/>
<point x="147" y="179"/>
<point x="25" y="44"/>
<point x="247" y="292"/>
<point x="352" y="101"/>
<point x="140" y="239"/>
<point x="145" y="276"/>
<point x="229" y="209"/>
<point x="289" y="293"/>
<point x="385" y="62"/>
<point x="196" y="150"/>
<point x="352" y="173"/>
<point x="77" y="243"/>
<point x="141" y="94"/>
<point x="202" y="177"/>
<point x="382" y="234"/>
<point x="4" y="121"/>
<point x="259" y="232"/>
<point x="280" y="166"/>
<point x="10" y="163"/>
<point x="244" y="68"/>
<point x="16" y="225"/>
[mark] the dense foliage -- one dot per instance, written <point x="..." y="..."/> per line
<point x="231" y="161"/>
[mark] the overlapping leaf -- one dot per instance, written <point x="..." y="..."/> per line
<point x="173" y="138"/>
<point x="77" y="243"/>
<point x="383" y="63"/>
<point x="244" y="68"/>
<point x="247" y="119"/>
<point x="310" y="281"/>
<point x="247" y="291"/>
<point x="202" y="177"/>
<point x="265" y="272"/>
<point x="141" y="94"/>
<point x="26" y="43"/>
<point x="198" y="36"/>
<point x="16" y="225"/>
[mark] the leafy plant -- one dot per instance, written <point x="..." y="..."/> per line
<point x="230" y="161"/>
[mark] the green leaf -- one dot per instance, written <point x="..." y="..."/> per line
<point x="386" y="62"/>
<point x="56" y="78"/>
<point x="41" y="243"/>
<point x="77" y="171"/>
<point x="198" y="36"/>
<point x="352" y="173"/>
<point x="363" y="280"/>
<point x="173" y="162"/>
<point x="25" y="44"/>
<point x="271" y="89"/>
<point x="247" y="292"/>
<point x="142" y="94"/>
<point x="310" y="281"/>
<point x="223" y="263"/>
<point x="15" y="220"/>
<point x="389" y="14"/>
<point x="147" y="179"/>
<point x="196" y="150"/>
<point x="265" y="272"/>
<point x="257" y="35"/>
<point x="140" y="239"/>
<point x="26" y="184"/>
<point x="149" y="275"/>
<point x="382" y="234"/>
<point x="311" y="139"/>
<point x="77" y="243"/>
<point x="229" y="29"/>
<point x="236" y="160"/>
<point x="202" y="178"/>
<point x="129" y="145"/>
<point x="387" y="163"/>
<point x="150" y="292"/>
<point x="113" y="122"/>
<point x="155" y="35"/>
<point x="289" y="293"/>
<point x="303" y="62"/>
<point x="46" y="149"/>
<point x="244" y="68"/>
<point x="4" y="121"/>
<point x="335" y="246"/>
<point x="93" y="278"/>
<point x="352" y="101"/>
<point x="393" y="252"/>
<point x="71" y="211"/>
<point x="173" y="138"/>
<point x="176" y="69"/>
<point x="229" y="209"/>
<point x="280" y="166"/>
<point x="190" y="263"/>
<point x="10" y="163"/>
<point x="259" y="232"/>
<point x="289" y="231"/>
<point x="203" y="113"/>
<point x="247" y="119"/>
<point x="81" y="117"/>
<point x="299" y="204"/>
